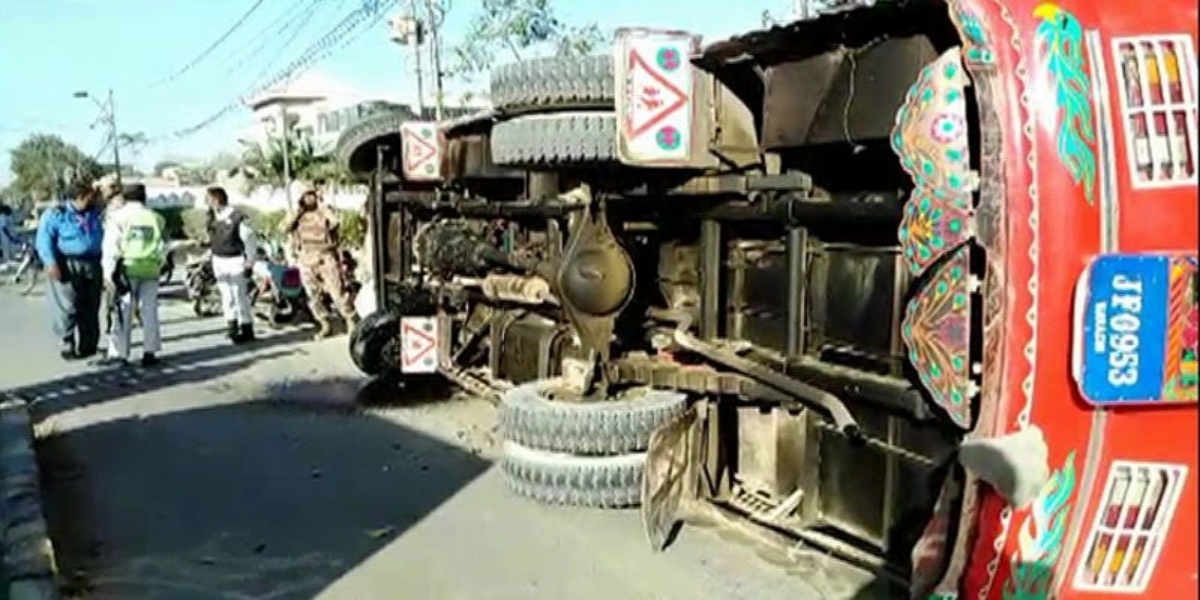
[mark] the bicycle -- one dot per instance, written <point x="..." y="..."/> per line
<point x="31" y="265"/>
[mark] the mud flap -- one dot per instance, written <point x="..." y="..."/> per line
<point x="669" y="480"/>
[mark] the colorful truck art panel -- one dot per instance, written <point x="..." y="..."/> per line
<point x="932" y="141"/>
<point x="1136" y="329"/>
<point x="1041" y="536"/>
<point x="936" y="330"/>
<point x="1060" y="39"/>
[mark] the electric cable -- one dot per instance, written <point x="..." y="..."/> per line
<point x="332" y="40"/>
<point x="295" y="14"/>
<point x="209" y="50"/>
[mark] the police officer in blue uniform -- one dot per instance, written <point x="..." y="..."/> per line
<point x="69" y="242"/>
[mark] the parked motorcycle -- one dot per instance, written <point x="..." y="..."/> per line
<point x="277" y="291"/>
<point x="201" y="286"/>
<point x="29" y="268"/>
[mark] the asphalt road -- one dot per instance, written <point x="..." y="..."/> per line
<point x="257" y="473"/>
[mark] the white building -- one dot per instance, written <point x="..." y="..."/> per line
<point x="316" y="107"/>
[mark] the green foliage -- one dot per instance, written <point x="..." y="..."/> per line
<point x="353" y="229"/>
<point x="39" y="161"/>
<point x="263" y="164"/>
<point x="134" y="142"/>
<point x="174" y="221"/>
<point x="268" y="224"/>
<point x="195" y="223"/>
<point x="519" y="28"/>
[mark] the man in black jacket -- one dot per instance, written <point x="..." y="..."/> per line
<point x="234" y="248"/>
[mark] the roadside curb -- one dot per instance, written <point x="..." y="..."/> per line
<point x="28" y="553"/>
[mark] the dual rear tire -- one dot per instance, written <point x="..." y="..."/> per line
<point x="589" y="454"/>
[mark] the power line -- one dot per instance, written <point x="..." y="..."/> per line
<point x="207" y="51"/>
<point x="331" y="41"/>
<point x="255" y="46"/>
<point x="296" y="27"/>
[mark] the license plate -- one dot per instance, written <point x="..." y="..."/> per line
<point x="1135" y="329"/>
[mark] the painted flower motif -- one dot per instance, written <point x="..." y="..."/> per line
<point x="668" y="59"/>
<point x="668" y="138"/>
<point x="947" y="128"/>
<point x="1191" y="331"/>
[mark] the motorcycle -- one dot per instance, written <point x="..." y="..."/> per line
<point x="277" y="291"/>
<point x="201" y="286"/>
<point x="29" y="267"/>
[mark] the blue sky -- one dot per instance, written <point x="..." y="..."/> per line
<point x="51" y="48"/>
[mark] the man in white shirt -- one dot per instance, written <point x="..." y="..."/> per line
<point x="234" y="248"/>
<point x="133" y="254"/>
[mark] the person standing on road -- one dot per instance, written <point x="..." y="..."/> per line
<point x="110" y="193"/>
<point x="234" y="248"/>
<point x="69" y="242"/>
<point x="134" y="251"/>
<point x="9" y="240"/>
<point x="111" y="199"/>
<point x="313" y="230"/>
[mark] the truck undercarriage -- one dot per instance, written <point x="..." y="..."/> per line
<point x="721" y="338"/>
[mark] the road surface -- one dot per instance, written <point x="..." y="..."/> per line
<point x="256" y="473"/>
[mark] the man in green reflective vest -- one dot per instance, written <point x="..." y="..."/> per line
<point x="133" y="255"/>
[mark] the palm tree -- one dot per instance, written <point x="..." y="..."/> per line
<point x="135" y="142"/>
<point x="262" y="164"/>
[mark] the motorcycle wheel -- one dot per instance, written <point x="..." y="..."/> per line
<point x="31" y="281"/>
<point x="206" y="304"/>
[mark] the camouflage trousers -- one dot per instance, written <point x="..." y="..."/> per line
<point x="321" y="273"/>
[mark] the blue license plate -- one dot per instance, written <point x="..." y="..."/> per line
<point x="1132" y="311"/>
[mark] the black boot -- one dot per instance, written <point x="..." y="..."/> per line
<point x="245" y="334"/>
<point x="232" y="331"/>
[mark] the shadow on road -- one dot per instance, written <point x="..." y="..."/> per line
<point x="178" y="368"/>
<point x="237" y="501"/>
<point x="348" y="395"/>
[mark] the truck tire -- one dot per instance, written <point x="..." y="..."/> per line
<point x="555" y="139"/>
<point x="556" y="81"/>
<point x="374" y="344"/>
<point x="530" y="418"/>
<point x="568" y="480"/>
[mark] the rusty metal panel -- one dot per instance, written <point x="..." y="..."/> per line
<point x="840" y="94"/>
<point x="794" y="92"/>
<point x="771" y="446"/>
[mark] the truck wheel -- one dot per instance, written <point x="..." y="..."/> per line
<point x="568" y="480"/>
<point x="557" y="81"/>
<point x="529" y="417"/>
<point x="374" y="344"/>
<point x="555" y="139"/>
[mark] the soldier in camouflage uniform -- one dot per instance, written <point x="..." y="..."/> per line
<point x="313" y="231"/>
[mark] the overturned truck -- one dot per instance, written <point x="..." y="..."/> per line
<point x="788" y="283"/>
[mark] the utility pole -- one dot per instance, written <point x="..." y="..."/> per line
<point x="437" y="14"/>
<point x="420" y="83"/>
<point x="287" y="156"/>
<point x="112" y="130"/>
<point x="108" y="116"/>
<point x="409" y="29"/>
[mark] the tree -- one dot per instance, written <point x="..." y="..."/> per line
<point x="134" y="142"/>
<point x="262" y="164"/>
<point x="519" y="29"/>
<point x="38" y="164"/>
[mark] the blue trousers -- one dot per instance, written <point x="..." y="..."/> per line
<point x="75" y="304"/>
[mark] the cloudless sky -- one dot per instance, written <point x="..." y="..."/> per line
<point x="52" y="48"/>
